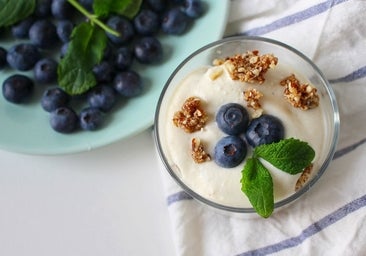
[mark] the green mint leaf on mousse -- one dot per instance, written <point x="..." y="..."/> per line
<point x="290" y="155"/>
<point x="257" y="184"/>
<point x="12" y="11"/>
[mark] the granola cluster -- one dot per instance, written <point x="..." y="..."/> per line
<point x="198" y="152"/>
<point x="249" y="67"/>
<point x="191" y="117"/>
<point x="303" y="96"/>
<point x="304" y="177"/>
<point x="252" y="97"/>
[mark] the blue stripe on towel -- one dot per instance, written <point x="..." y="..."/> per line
<point x="312" y="229"/>
<point x="179" y="196"/>
<point x="294" y="18"/>
<point x="348" y="149"/>
<point x="359" y="73"/>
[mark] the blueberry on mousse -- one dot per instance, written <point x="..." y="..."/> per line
<point x="232" y="118"/>
<point x="230" y="151"/>
<point x="265" y="129"/>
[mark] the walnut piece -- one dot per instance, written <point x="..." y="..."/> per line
<point x="303" y="96"/>
<point x="249" y="67"/>
<point x="191" y="117"/>
<point x="252" y="96"/>
<point x="304" y="177"/>
<point x="198" y="153"/>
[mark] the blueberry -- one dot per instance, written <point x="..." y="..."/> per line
<point x="3" y="62"/>
<point x="43" y="8"/>
<point x="146" y="22"/>
<point x="17" y="88"/>
<point x="264" y="130"/>
<point x="175" y="22"/>
<point x="177" y="2"/>
<point x="157" y="5"/>
<point x="123" y="58"/>
<point x="232" y="118"/>
<point x="54" y="98"/>
<point x="128" y="83"/>
<point x="64" y="29"/>
<point x="148" y="50"/>
<point x="21" y="29"/>
<point x="104" y="71"/>
<point x="193" y="8"/>
<point x="123" y="26"/>
<point x="43" y="34"/>
<point x="102" y="97"/>
<point x="88" y="4"/>
<point x="23" y="56"/>
<point x="64" y="120"/>
<point x="91" y="119"/>
<point x="45" y="71"/>
<point x="230" y="151"/>
<point x="109" y="52"/>
<point x="61" y="9"/>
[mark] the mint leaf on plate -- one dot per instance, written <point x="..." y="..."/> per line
<point x="257" y="185"/>
<point x="128" y="8"/>
<point x="12" y="11"/>
<point x="289" y="155"/>
<point x="85" y="50"/>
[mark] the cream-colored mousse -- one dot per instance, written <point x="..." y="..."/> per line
<point x="214" y="86"/>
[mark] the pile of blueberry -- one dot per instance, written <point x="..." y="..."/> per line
<point x="233" y="119"/>
<point x="48" y="30"/>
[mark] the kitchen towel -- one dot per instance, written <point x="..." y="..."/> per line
<point x="330" y="219"/>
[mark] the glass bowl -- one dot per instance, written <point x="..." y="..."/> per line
<point x="220" y="188"/>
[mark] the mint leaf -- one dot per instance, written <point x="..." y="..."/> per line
<point x="102" y="7"/>
<point x="257" y="185"/>
<point x="289" y="155"/>
<point x="12" y="11"/>
<point x="85" y="50"/>
<point x="128" y="8"/>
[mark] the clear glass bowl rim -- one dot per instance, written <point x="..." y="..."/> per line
<point x="301" y="191"/>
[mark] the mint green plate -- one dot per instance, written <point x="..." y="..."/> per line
<point x="25" y="128"/>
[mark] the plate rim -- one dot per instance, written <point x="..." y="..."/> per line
<point x="79" y="148"/>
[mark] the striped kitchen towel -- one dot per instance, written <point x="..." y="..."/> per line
<point x="331" y="217"/>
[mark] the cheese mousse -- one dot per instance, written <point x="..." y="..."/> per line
<point x="269" y="88"/>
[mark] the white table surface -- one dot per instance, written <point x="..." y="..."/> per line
<point x="109" y="201"/>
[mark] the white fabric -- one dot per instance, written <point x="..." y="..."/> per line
<point x="331" y="218"/>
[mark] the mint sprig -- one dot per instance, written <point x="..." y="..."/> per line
<point x="99" y="11"/>
<point x="88" y="41"/>
<point x="289" y="155"/>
